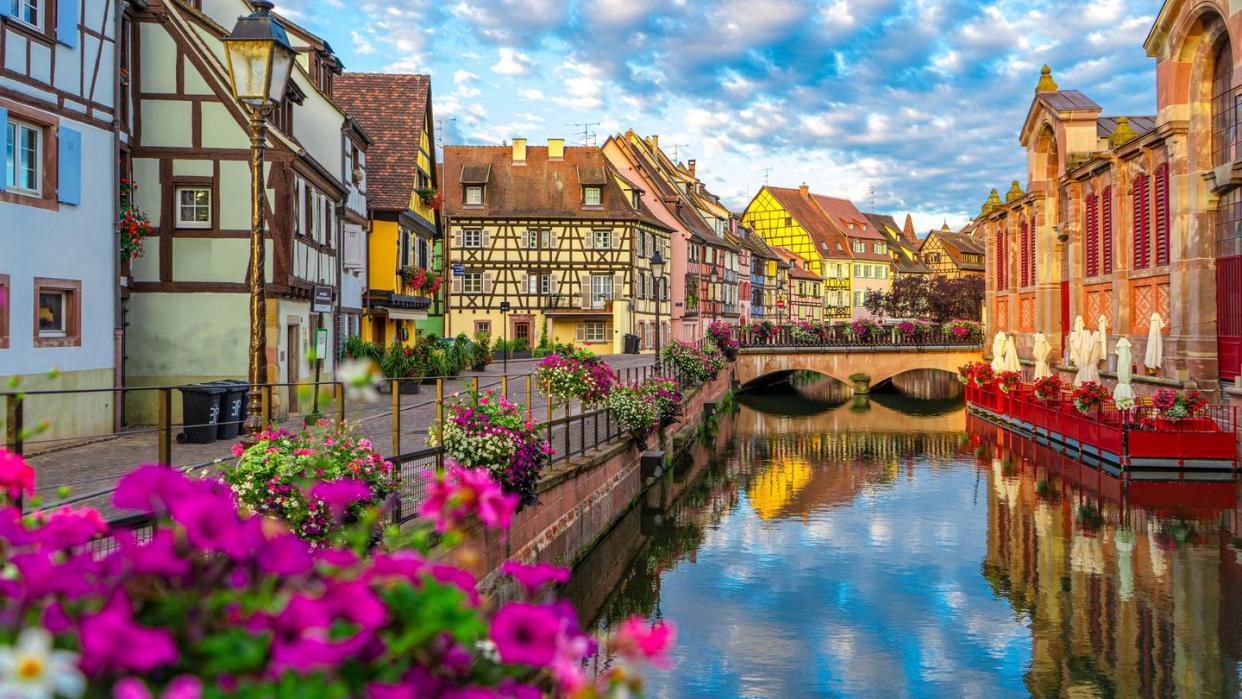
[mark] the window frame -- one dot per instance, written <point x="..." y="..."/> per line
<point x="589" y="325"/>
<point x="596" y="233"/>
<point x="40" y="132"/>
<point x="465" y="238"/>
<point x="184" y="224"/>
<point x="473" y="189"/>
<point x="467" y="287"/>
<point x="482" y="327"/>
<point x="599" y="195"/>
<point x="40" y="11"/>
<point x="71" y="290"/>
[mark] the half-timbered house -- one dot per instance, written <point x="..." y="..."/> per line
<point x="188" y="148"/>
<point x="802" y="297"/>
<point x="557" y="233"/>
<point x="58" y="242"/>
<point x="403" y="184"/>
<point x="953" y="254"/>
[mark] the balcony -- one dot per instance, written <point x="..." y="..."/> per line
<point x="566" y="306"/>
<point x="836" y="284"/>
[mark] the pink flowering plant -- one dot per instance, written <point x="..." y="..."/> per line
<point x="863" y="329"/>
<point x="666" y="392"/>
<point x="635" y="411"/>
<point x="486" y="430"/>
<point x="1175" y="406"/>
<point x="722" y="334"/>
<point x="575" y="375"/>
<point x="216" y="601"/>
<point x="963" y="330"/>
<point x="686" y="361"/>
<point x="285" y="475"/>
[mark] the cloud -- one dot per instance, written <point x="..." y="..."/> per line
<point x="512" y="62"/>
<point x="464" y="80"/>
<point x="362" y="45"/>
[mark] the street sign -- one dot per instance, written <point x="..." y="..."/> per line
<point x="459" y="270"/>
<point x="321" y="344"/>
<point x="321" y="299"/>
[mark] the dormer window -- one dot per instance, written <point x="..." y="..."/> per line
<point x="635" y="200"/>
<point x="591" y="196"/>
<point x="474" y="195"/>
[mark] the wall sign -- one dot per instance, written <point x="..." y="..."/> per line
<point x="321" y="298"/>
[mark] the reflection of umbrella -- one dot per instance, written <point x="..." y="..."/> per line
<point x="1125" y="563"/>
<point x="1123" y="395"/>
<point x="998" y="351"/>
<point x="1155" y="343"/>
<point x="1040" y="350"/>
<point x="1011" y="362"/>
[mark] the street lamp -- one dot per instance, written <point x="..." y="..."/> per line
<point x="260" y="61"/>
<point x="504" y="329"/>
<point x="657" y="268"/>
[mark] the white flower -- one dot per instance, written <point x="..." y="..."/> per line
<point x="33" y="670"/>
<point x="359" y="378"/>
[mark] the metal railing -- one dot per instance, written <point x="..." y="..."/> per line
<point x="842" y="335"/>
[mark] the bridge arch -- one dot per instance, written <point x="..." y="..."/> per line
<point x="862" y="369"/>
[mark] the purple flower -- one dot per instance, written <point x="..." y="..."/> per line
<point x="158" y="556"/>
<point x="526" y="634"/>
<point x="534" y="577"/>
<point x="113" y="642"/>
<point x="150" y="489"/>
<point x="339" y="495"/>
<point x="67" y="528"/>
<point x="285" y="554"/>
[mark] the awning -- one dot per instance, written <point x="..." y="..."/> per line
<point x="417" y="224"/>
<point x="402" y="314"/>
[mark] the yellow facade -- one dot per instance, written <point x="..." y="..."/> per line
<point x="778" y="227"/>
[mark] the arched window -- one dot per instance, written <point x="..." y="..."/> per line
<point x="1224" y="110"/>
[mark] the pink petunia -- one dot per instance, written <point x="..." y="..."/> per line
<point x="526" y="634"/>
<point x="16" y="476"/>
<point x="535" y="577"/>
<point x="113" y="642"/>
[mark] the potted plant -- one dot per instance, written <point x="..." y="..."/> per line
<point x="134" y="224"/>
<point x="1009" y="381"/>
<point x="666" y="393"/>
<point x="1090" y="397"/>
<point x="635" y="411"/>
<point x="1174" y="406"/>
<point x="1048" y="388"/>
<point x="983" y="375"/>
<point x="482" y="352"/>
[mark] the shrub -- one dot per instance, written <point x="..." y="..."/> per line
<point x="666" y="393"/>
<point x="687" y="362"/>
<point x="358" y="348"/>
<point x="635" y="411"/>
<point x="485" y="430"/>
<point x="722" y="334"/>
<point x="481" y="354"/>
<point x="398" y="361"/>
<point x="579" y="375"/>
<point x="278" y="476"/>
<point x="219" y="602"/>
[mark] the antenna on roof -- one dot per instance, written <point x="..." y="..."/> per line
<point x="677" y="149"/>
<point x="588" y="135"/>
<point x="440" y="132"/>
<point x="766" y="171"/>
<point x="873" y="197"/>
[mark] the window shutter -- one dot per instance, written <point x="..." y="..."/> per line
<point x="487" y="283"/>
<point x="584" y="284"/>
<point x="1162" y="215"/>
<point x="69" y="177"/>
<point x="618" y="286"/>
<point x="1140" y="222"/>
<point x="66" y="22"/>
<point x="4" y="113"/>
<point x="551" y="283"/>
<point x="1091" y="238"/>
<point x="552" y="239"/>
<point x="580" y="332"/>
<point x="1106" y="220"/>
<point x="524" y="282"/>
<point x="1000" y="262"/>
<point x="6" y="10"/>
<point x="486" y="241"/>
<point x="456" y="284"/>
<point x="457" y="239"/>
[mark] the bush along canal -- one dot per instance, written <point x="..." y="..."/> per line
<point x="812" y="543"/>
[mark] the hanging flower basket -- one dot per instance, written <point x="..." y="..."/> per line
<point x="133" y="225"/>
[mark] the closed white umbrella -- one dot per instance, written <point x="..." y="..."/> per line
<point x="1123" y="394"/>
<point x="1011" y="362"/>
<point x="1155" y="343"/>
<point x="1040" y="350"/>
<point x="1102" y="336"/>
<point x="1090" y="368"/>
<point x="998" y="351"/>
<point x="1077" y="356"/>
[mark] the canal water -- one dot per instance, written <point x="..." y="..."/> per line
<point x="813" y="544"/>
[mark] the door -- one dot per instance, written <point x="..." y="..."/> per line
<point x="1065" y="316"/>
<point x="521" y="331"/>
<point x="1229" y="315"/>
<point x="293" y="361"/>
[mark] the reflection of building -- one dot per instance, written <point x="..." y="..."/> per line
<point x="1123" y="602"/>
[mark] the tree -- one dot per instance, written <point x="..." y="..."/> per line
<point x="930" y="297"/>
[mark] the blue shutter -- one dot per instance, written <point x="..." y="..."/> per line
<point x="69" y="183"/>
<point x="66" y="22"/>
<point x="6" y="10"/>
<point x="4" y="130"/>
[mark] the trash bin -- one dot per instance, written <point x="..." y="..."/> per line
<point x="200" y="412"/>
<point x="233" y="406"/>
<point x="631" y="344"/>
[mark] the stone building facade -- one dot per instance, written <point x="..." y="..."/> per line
<point x="1124" y="216"/>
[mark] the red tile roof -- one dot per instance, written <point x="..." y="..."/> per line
<point x="828" y="239"/>
<point x="392" y="109"/>
<point x="854" y="225"/>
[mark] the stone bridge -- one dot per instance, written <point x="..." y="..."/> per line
<point x="860" y="367"/>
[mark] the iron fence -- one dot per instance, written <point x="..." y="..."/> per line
<point x="845" y="336"/>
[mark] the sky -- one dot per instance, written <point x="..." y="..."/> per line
<point x="914" y="105"/>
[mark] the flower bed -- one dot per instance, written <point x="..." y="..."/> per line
<point x="577" y="374"/>
<point x="635" y="411"/>
<point x="666" y="393"/>
<point x="222" y="603"/>
<point x="485" y="430"/>
<point x="283" y="475"/>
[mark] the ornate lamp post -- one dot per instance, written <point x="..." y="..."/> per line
<point x="504" y="322"/>
<point x="260" y="61"/>
<point x="657" y="268"/>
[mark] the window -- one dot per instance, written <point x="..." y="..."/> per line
<point x="860" y="246"/>
<point x="591" y="196"/>
<point x="472" y="283"/>
<point x="532" y="238"/>
<point x="878" y="248"/>
<point x="788" y="221"/>
<point x="28" y="11"/>
<point x="539" y="284"/>
<point x="596" y="331"/>
<point x="601" y="240"/>
<point x="858" y="298"/>
<point x="858" y="270"/>
<point x="474" y="195"/>
<point x="1224" y="108"/>
<point x="483" y="327"/>
<point x="601" y="288"/>
<point x="23" y="158"/>
<point x="58" y="312"/>
<point x="635" y="199"/>
<point x="472" y="238"/>
<point x="193" y="207"/>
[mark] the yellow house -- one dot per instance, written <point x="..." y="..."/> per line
<point x="789" y="219"/>
<point x="404" y="294"/>
<point x="558" y="234"/>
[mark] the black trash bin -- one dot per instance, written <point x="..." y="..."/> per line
<point x="200" y="412"/>
<point x="233" y="405"/>
<point x="631" y="344"/>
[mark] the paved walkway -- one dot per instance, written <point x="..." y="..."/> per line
<point x="91" y="469"/>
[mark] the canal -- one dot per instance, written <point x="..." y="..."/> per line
<point x="814" y="544"/>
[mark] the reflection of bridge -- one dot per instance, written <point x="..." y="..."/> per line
<point x="860" y="367"/>
<point x="855" y="417"/>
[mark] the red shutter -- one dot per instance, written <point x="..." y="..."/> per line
<point x="1091" y="235"/>
<point x="1162" y="215"/>
<point x="1022" y="254"/>
<point x="1106" y="221"/>
<point x="1000" y="261"/>
<point x="1141" y="227"/>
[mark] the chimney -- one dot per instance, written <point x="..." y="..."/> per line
<point x="556" y="149"/>
<point x="804" y="190"/>
<point x="655" y="142"/>
<point x="690" y="165"/>
<point x="519" y="151"/>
